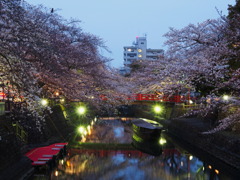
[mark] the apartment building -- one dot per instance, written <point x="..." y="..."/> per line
<point x="139" y="51"/>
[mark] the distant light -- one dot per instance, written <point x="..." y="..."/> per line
<point x="62" y="100"/>
<point x="190" y="158"/>
<point x="57" y="93"/>
<point x="129" y="49"/>
<point x="139" y="55"/>
<point x="225" y="97"/>
<point x="157" y="109"/>
<point x="210" y="167"/>
<point x="44" y="102"/>
<point x="162" y="141"/>
<point x="139" y="50"/>
<point x="216" y="171"/>
<point x="208" y="100"/>
<point x="89" y="128"/>
<point x="68" y="163"/>
<point x="181" y="163"/>
<point x="56" y="173"/>
<point x="81" y="130"/>
<point x="81" y="110"/>
<point x="190" y="102"/>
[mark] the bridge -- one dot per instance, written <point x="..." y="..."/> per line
<point x="154" y="97"/>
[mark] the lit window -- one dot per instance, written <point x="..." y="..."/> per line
<point x="139" y="55"/>
<point x="139" y="50"/>
<point x="129" y="50"/>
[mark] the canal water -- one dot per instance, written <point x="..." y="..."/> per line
<point x="105" y="152"/>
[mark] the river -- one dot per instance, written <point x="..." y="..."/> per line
<point x="106" y="153"/>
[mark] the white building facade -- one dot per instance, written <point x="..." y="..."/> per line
<point x="137" y="52"/>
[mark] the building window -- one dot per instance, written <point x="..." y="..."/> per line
<point x="139" y="50"/>
<point x="131" y="54"/>
<point x="142" y="42"/>
<point x="129" y="50"/>
<point x="139" y="55"/>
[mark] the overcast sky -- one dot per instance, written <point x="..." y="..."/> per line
<point x="118" y="22"/>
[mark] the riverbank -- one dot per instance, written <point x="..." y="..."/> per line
<point x="224" y="146"/>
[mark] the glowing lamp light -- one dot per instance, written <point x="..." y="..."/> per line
<point x="89" y="128"/>
<point x="81" y="110"/>
<point x="190" y="158"/>
<point x="68" y="163"/>
<point x="162" y="141"/>
<point x="44" y="102"/>
<point x="157" y="109"/>
<point x="81" y="130"/>
<point x="225" y="97"/>
<point x="216" y="171"/>
<point x="56" y="173"/>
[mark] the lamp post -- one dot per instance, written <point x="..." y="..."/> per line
<point x="81" y="110"/>
<point x="44" y="102"/>
<point x="157" y="110"/>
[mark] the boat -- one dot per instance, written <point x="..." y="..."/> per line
<point x="146" y="136"/>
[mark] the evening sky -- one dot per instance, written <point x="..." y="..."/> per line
<point x="119" y="22"/>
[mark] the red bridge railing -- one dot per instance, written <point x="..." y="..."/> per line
<point x="154" y="97"/>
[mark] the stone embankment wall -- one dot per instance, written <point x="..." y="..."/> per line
<point x="224" y="146"/>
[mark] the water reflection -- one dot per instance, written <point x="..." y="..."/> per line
<point x="118" y="132"/>
<point x="104" y="165"/>
<point x="130" y="164"/>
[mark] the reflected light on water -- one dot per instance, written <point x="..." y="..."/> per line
<point x="118" y="132"/>
<point x="109" y="163"/>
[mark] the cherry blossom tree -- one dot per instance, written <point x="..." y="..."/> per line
<point x="202" y="57"/>
<point x="41" y="53"/>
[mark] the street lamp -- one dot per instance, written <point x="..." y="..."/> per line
<point x="157" y="109"/>
<point x="226" y="97"/>
<point x="81" y="129"/>
<point x="44" y="102"/>
<point x="81" y="110"/>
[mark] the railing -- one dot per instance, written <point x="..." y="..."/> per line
<point x="153" y="97"/>
<point x="20" y="132"/>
